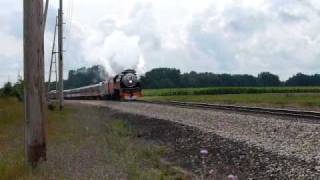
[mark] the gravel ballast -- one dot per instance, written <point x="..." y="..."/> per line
<point x="298" y="141"/>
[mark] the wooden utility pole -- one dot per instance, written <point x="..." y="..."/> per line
<point x="34" y="89"/>
<point x="60" y="35"/>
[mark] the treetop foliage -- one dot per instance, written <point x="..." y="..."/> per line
<point x="13" y="90"/>
<point x="173" y="78"/>
<point x="83" y="77"/>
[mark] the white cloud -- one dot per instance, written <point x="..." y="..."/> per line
<point x="10" y="45"/>
<point x="242" y="39"/>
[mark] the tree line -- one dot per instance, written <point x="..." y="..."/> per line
<point x="173" y="78"/>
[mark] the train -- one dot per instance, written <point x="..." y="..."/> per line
<point x="123" y="86"/>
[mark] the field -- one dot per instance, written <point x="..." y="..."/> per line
<point x="286" y="97"/>
<point x="228" y="90"/>
<point x="83" y="143"/>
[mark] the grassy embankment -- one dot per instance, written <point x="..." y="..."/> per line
<point x="12" y="162"/>
<point x="81" y="145"/>
<point x="305" y="97"/>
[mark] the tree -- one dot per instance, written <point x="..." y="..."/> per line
<point x="301" y="80"/>
<point x="85" y="76"/>
<point x="268" y="79"/>
<point x="7" y="89"/>
<point x="162" y="78"/>
<point x="16" y="90"/>
<point x="19" y="89"/>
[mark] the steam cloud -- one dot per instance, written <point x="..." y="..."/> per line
<point x="117" y="47"/>
<point x="115" y="50"/>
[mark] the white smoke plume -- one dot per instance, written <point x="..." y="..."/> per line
<point x="114" y="50"/>
<point x="116" y="46"/>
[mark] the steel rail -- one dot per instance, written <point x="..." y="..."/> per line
<point x="257" y="110"/>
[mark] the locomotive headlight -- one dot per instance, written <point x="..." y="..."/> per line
<point x="129" y="80"/>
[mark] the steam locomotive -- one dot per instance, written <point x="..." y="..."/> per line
<point x="124" y="86"/>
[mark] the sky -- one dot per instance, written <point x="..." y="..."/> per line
<point x="229" y="36"/>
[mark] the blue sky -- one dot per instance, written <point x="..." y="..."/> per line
<point x="230" y="36"/>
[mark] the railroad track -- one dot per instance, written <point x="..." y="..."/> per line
<point x="257" y="110"/>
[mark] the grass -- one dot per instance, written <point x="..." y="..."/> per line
<point x="305" y="97"/>
<point x="75" y="135"/>
<point x="304" y="100"/>
<point x="228" y="90"/>
<point x="10" y="112"/>
<point x="133" y="158"/>
<point x="12" y="161"/>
